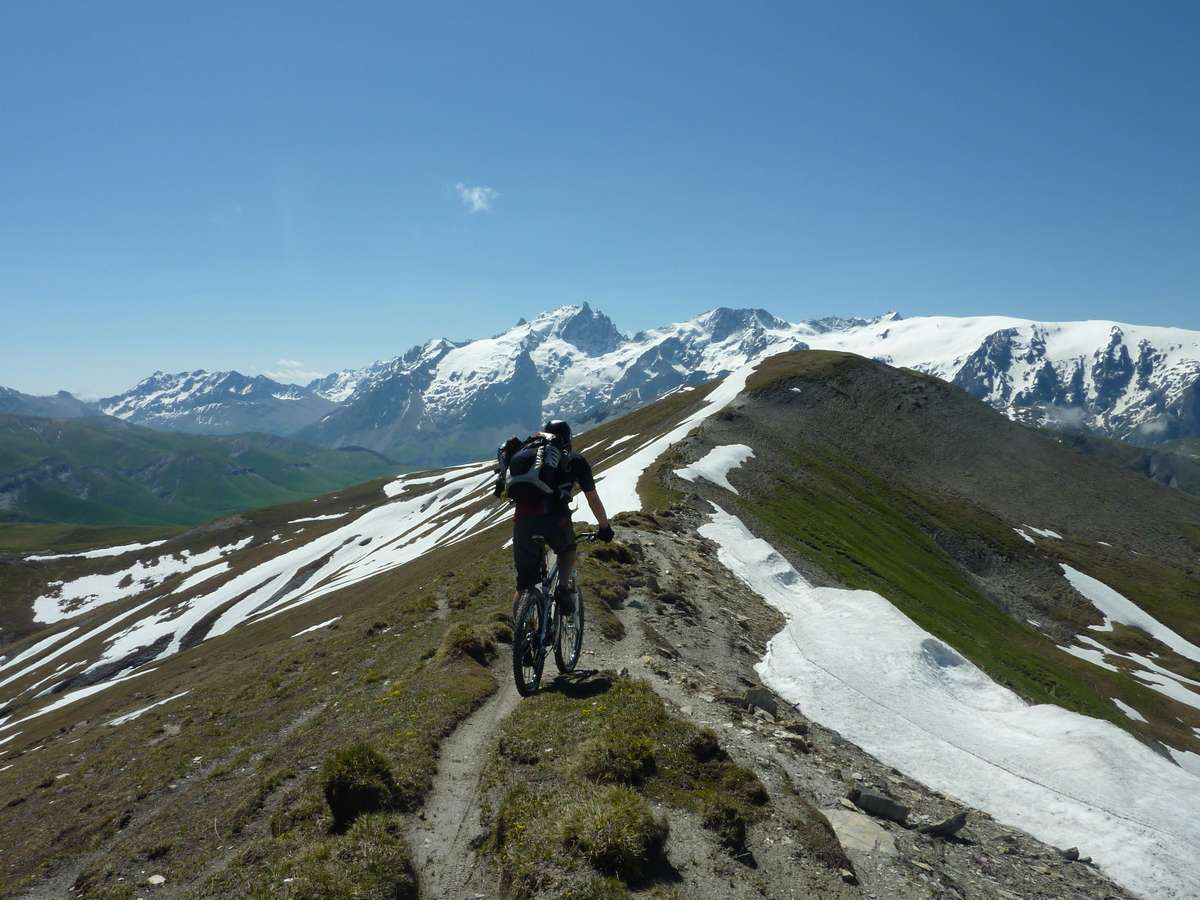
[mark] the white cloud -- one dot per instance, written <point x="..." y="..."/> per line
<point x="292" y="371"/>
<point x="478" y="198"/>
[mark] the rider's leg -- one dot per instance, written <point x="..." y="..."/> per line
<point x="527" y="559"/>
<point x="564" y="548"/>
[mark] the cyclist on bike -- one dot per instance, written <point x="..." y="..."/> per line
<point x="542" y="495"/>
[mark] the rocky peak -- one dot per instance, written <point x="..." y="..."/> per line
<point x="724" y="321"/>
<point x="591" y="331"/>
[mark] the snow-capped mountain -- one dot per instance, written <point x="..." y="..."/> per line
<point x="444" y="402"/>
<point x="1127" y="381"/>
<point x="217" y="403"/>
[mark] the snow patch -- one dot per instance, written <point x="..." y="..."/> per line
<point x="1025" y="535"/>
<point x="1045" y="532"/>
<point x="716" y="465"/>
<point x="129" y="717"/>
<point x="316" y="627"/>
<point x="97" y="554"/>
<point x="324" y="518"/>
<point x="620" y="480"/>
<point x="200" y="577"/>
<point x="1117" y="608"/>
<point x="34" y="649"/>
<point x="1129" y="710"/>
<point x="84" y="594"/>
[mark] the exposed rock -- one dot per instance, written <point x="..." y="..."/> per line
<point x="878" y="805"/>
<point x="858" y="834"/>
<point x="761" y="698"/>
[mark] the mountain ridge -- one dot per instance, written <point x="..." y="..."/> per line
<point x="443" y="401"/>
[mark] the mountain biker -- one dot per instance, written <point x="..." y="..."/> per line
<point x="539" y="513"/>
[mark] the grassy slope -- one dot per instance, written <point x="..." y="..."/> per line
<point x="221" y="790"/>
<point x="121" y="474"/>
<point x="877" y="533"/>
<point x="264" y="711"/>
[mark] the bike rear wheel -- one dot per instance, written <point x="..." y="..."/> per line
<point x="528" y="654"/>
<point x="570" y="637"/>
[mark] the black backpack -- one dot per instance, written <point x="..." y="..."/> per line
<point x="535" y="468"/>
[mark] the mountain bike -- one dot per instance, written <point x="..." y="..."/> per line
<point x="540" y="625"/>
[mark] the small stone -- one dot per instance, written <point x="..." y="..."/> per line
<point x="156" y="880"/>
<point x="946" y="828"/>
<point x="799" y="744"/>
<point x="846" y="803"/>
<point x="923" y="866"/>
<point x="848" y="876"/>
<point x="795" y="726"/>
<point x="1071" y="854"/>
<point x="877" y="805"/>
<point x="686" y="710"/>
<point x="648" y="660"/>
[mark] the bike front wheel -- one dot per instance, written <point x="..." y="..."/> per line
<point x="570" y="637"/>
<point x="528" y="654"/>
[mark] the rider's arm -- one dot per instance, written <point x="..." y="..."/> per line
<point x="597" y="507"/>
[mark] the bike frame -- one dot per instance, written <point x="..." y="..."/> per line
<point x="547" y="588"/>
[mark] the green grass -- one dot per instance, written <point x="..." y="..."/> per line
<point x="578" y="772"/>
<point x="64" y="538"/>
<point x="813" y="364"/>
<point x="106" y="472"/>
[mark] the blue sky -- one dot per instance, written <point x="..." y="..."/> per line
<point x="228" y="185"/>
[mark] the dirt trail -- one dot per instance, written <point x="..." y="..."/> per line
<point x="443" y="836"/>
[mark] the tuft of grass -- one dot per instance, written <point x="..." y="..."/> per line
<point x="465" y="640"/>
<point x="616" y="831"/>
<point x="611" y="759"/>
<point x="613" y="743"/>
<point x="357" y="780"/>
<point x="371" y="860"/>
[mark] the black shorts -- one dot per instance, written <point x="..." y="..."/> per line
<point x="527" y="555"/>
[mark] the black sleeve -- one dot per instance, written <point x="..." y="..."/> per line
<point x="581" y="471"/>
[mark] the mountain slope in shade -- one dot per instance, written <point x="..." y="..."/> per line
<point x="203" y="402"/>
<point x="59" y="406"/>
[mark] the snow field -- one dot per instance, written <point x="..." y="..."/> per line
<point x="854" y="663"/>
<point x="84" y="594"/>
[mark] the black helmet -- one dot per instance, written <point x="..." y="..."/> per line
<point x="560" y="430"/>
